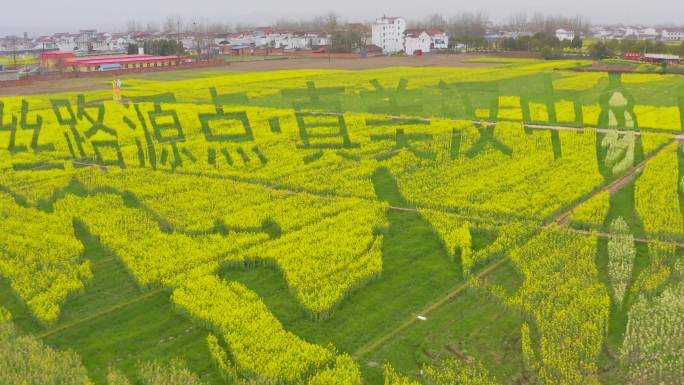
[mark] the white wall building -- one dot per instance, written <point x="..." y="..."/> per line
<point x="388" y="34"/>
<point x="672" y="34"/>
<point x="240" y="38"/>
<point x="65" y="41"/>
<point x="118" y="43"/>
<point x="282" y="39"/>
<point x="630" y="33"/>
<point x="262" y="41"/>
<point x="562" y="34"/>
<point x="296" y="41"/>
<point x="318" y="38"/>
<point x="188" y="43"/>
<point x="648" y="34"/>
<point x="440" y="40"/>
<point x="416" y="40"/>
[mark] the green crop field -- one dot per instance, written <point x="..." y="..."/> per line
<point x="510" y="223"/>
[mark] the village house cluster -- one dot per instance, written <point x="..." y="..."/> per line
<point x="90" y="50"/>
<point x="385" y="35"/>
<point x="92" y="41"/>
<point x="391" y="34"/>
<point x="637" y="33"/>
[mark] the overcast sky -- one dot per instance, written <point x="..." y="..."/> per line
<point x="47" y="16"/>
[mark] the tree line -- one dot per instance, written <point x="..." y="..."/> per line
<point x="609" y="48"/>
<point x="534" y="33"/>
<point x="160" y="47"/>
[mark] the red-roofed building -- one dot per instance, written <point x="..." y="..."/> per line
<point x="118" y="62"/>
<point x="264" y="31"/>
<point x="439" y="38"/>
<point x="416" y="41"/>
<point x="371" y="51"/>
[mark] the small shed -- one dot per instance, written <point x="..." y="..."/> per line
<point x="55" y="60"/>
<point x="660" y="58"/>
<point x="240" y="50"/>
<point x="371" y="51"/>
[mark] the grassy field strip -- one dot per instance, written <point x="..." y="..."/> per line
<point x="101" y="262"/>
<point x="378" y="342"/>
<point x="100" y="314"/>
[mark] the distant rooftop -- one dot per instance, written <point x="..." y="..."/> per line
<point x="118" y="59"/>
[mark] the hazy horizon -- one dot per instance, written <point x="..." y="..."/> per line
<point x="72" y="15"/>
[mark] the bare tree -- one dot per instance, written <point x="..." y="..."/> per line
<point x="218" y="28"/>
<point x="282" y="24"/>
<point x="331" y="22"/>
<point x="199" y="28"/>
<point x="538" y="22"/>
<point x="549" y="24"/>
<point x="436" y="21"/>
<point x="519" y="21"/>
<point x="468" y="25"/>
<point x="243" y="27"/>
<point x="133" y="26"/>
<point x="12" y="43"/>
<point x="151" y="27"/>
<point x="173" y="23"/>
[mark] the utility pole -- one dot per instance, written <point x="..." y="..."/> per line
<point x="196" y="35"/>
<point x="14" y="51"/>
<point x="178" y="41"/>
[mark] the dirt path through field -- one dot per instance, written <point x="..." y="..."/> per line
<point x="381" y="340"/>
<point x="603" y="234"/>
<point x="56" y="86"/>
<point x="613" y="187"/>
<point x="104" y="312"/>
<point x="456" y="60"/>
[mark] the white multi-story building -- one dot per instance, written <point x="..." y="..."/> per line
<point x="388" y="34"/>
<point x="84" y="39"/>
<point x="672" y="34"/>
